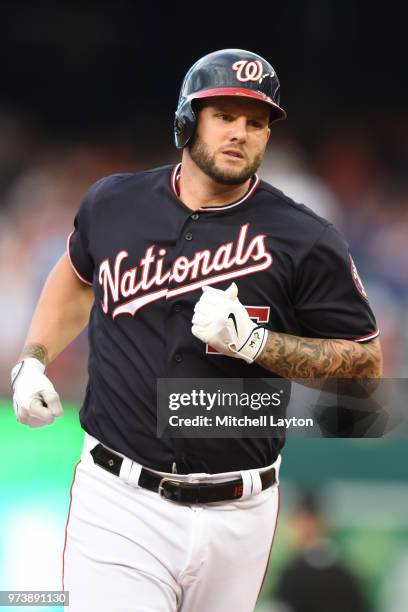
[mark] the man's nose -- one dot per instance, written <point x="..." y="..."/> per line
<point x="239" y="129"/>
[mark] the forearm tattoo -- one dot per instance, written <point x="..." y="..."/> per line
<point x="295" y="357"/>
<point x="38" y="351"/>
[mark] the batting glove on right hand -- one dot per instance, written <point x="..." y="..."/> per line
<point x="36" y="402"/>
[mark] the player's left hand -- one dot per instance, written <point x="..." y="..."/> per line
<point x="221" y="321"/>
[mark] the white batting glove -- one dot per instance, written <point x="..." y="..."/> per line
<point x="221" y="321"/>
<point x="35" y="401"/>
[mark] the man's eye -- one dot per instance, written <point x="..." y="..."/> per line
<point x="224" y="117"/>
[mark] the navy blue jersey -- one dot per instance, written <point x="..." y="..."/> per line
<point x="147" y="256"/>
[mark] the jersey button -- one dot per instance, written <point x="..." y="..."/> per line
<point x="188" y="236"/>
<point x="178" y="358"/>
<point x="195" y="217"/>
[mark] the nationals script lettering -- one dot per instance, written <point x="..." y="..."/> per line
<point x="186" y="274"/>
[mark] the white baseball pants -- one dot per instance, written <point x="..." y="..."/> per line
<point x="128" y="550"/>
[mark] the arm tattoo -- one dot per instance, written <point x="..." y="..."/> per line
<point x="309" y="358"/>
<point x="38" y="351"/>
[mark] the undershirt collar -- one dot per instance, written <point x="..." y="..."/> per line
<point x="175" y="177"/>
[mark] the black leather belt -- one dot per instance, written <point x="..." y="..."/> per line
<point x="180" y="491"/>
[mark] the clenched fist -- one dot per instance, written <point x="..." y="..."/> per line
<point x="221" y="321"/>
<point x="35" y="401"/>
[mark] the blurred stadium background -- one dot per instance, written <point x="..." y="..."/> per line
<point x="91" y="90"/>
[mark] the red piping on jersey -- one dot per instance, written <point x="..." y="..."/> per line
<point x="270" y="549"/>
<point x="213" y="208"/>
<point x="71" y="262"/>
<point x="66" y="525"/>
<point x="368" y="337"/>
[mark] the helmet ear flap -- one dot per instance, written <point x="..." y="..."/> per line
<point x="184" y="124"/>
<point x="178" y="125"/>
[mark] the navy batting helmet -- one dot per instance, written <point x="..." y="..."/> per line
<point x="229" y="72"/>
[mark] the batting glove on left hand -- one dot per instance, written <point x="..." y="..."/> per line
<point x="221" y="321"/>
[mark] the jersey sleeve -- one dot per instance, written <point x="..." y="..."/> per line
<point x="78" y="243"/>
<point x="330" y="299"/>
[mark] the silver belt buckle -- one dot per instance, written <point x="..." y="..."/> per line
<point x="163" y="481"/>
<point x="179" y="486"/>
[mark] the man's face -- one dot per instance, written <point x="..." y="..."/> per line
<point x="230" y="138"/>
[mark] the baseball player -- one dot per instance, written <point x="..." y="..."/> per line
<point x="195" y="270"/>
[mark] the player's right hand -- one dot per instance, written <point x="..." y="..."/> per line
<point x="36" y="402"/>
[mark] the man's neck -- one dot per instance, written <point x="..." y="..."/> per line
<point x="197" y="190"/>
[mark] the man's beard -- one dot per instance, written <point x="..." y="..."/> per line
<point x="200" y="155"/>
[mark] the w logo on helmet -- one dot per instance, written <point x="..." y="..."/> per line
<point x="248" y="71"/>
